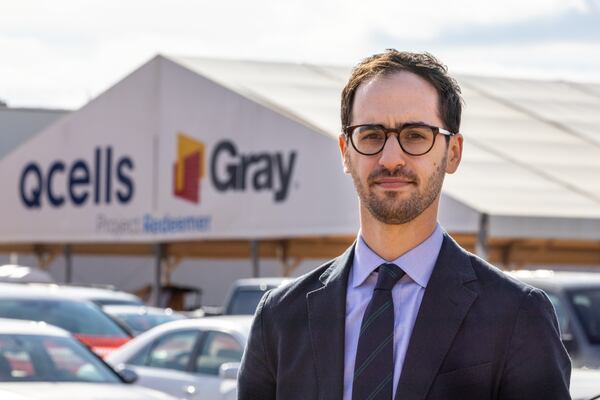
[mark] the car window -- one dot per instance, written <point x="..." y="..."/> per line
<point x="217" y="348"/>
<point x="587" y="308"/>
<point x="36" y="358"/>
<point x="244" y="302"/>
<point x="173" y="351"/>
<point x="139" y="323"/>
<point x="76" y="317"/>
<point x="561" y="315"/>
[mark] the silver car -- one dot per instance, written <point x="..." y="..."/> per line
<point x="576" y="299"/>
<point x="195" y="359"/>
<point x="43" y="362"/>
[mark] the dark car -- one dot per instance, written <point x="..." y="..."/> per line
<point x="139" y="319"/>
<point x="244" y="295"/>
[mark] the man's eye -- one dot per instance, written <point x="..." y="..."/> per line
<point x="415" y="136"/>
<point x="372" y="135"/>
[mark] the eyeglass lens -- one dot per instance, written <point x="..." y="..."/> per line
<point x="415" y="140"/>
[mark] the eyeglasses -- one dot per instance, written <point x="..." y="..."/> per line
<point x="414" y="139"/>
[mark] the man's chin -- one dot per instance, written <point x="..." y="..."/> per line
<point x="392" y="214"/>
<point x="391" y="218"/>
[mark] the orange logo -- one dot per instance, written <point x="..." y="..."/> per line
<point x="188" y="169"/>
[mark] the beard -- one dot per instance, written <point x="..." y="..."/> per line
<point x="389" y="208"/>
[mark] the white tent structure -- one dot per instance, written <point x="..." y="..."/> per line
<point x="201" y="157"/>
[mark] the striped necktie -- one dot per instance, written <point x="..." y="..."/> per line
<point x="374" y="364"/>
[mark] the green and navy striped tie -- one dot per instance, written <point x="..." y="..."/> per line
<point x="374" y="364"/>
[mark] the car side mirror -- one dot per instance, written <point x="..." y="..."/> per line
<point x="128" y="375"/>
<point x="229" y="371"/>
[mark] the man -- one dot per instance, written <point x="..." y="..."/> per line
<point x="404" y="313"/>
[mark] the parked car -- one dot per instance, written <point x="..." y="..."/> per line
<point x="101" y="295"/>
<point x="196" y="359"/>
<point x="585" y="384"/>
<point x="23" y="274"/>
<point x="139" y="319"/>
<point x="576" y="299"/>
<point x="48" y="303"/>
<point x="42" y="362"/>
<point x="245" y="294"/>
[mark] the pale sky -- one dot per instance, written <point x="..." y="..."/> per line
<point x="62" y="53"/>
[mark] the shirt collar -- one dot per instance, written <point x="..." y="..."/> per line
<point x="417" y="263"/>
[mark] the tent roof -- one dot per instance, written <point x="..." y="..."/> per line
<point x="532" y="148"/>
<point x="20" y="124"/>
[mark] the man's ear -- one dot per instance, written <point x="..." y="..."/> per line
<point x="343" y="148"/>
<point x="454" y="153"/>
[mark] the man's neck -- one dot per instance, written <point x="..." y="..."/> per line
<point x="392" y="241"/>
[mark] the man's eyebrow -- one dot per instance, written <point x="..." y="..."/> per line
<point x="414" y="123"/>
<point x="398" y="125"/>
<point x="403" y="124"/>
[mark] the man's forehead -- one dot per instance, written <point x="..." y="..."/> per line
<point x="397" y="80"/>
<point x="401" y="94"/>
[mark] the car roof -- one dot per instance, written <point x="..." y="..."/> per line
<point x="141" y="310"/>
<point x="236" y="323"/>
<point x="23" y="327"/>
<point x="36" y="291"/>
<point x="60" y="291"/>
<point x="94" y="293"/>
<point x="547" y="279"/>
<point x="22" y="273"/>
<point x="258" y="282"/>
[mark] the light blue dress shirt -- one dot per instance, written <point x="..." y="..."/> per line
<point x="408" y="293"/>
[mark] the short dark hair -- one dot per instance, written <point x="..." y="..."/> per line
<point x="422" y="64"/>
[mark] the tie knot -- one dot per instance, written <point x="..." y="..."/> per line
<point x="389" y="274"/>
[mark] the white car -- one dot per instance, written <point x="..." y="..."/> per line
<point x="102" y="296"/>
<point x="585" y="384"/>
<point x="43" y="362"/>
<point x="194" y="359"/>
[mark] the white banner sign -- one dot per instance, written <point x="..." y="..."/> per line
<point x="174" y="156"/>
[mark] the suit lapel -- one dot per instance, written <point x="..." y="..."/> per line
<point x="326" y="322"/>
<point x="445" y="304"/>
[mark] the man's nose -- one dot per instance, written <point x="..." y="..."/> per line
<point x="392" y="156"/>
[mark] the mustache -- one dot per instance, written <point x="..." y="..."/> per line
<point x="396" y="173"/>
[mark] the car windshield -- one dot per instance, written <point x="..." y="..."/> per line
<point x="587" y="307"/>
<point x="139" y="323"/>
<point x="76" y="317"/>
<point x="244" y="302"/>
<point x="38" y="358"/>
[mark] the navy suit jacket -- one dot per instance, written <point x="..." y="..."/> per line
<point x="479" y="335"/>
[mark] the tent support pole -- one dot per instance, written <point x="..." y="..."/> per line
<point x="481" y="247"/>
<point x="159" y="254"/>
<point x="254" y="245"/>
<point x="68" y="263"/>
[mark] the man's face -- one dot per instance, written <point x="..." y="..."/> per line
<point x="393" y="186"/>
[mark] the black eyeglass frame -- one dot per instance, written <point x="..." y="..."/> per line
<point x="435" y="129"/>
